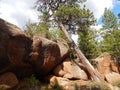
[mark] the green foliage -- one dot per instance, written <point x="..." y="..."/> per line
<point x="67" y="11"/>
<point x="56" y="33"/>
<point x="88" y="44"/>
<point x="35" y="84"/>
<point x="111" y="44"/>
<point x="55" y="87"/>
<point x="64" y="13"/>
<point x="41" y="29"/>
<point x="111" y="35"/>
<point x="31" y="83"/>
<point x="109" y="20"/>
<point x="116" y="83"/>
<point x="32" y="80"/>
<point x="38" y="29"/>
<point x="31" y="29"/>
<point x="98" y="86"/>
<point x="74" y="17"/>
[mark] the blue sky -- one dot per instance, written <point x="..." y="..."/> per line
<point x="115" y="9"/>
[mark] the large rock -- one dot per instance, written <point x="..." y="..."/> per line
<point x="15" y="47"/>
<point x="54" y="80"/>
<point x="65" y="83"/>
<point x="112" y="77"/>
<point x="45" y="55"/>
<point x="7" y="81"/>
<point x="114" y="66"/>
<point x="70" y="70"/>
<point x="105" y="65"/>
<point x="64" y="48"/>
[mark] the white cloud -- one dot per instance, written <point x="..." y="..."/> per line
<point x="98" y="6"/>
<point x="97" y="27"/>
<point x="18" y="12"/>
<point x="75" y="38"/>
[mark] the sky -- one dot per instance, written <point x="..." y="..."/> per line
<point x="19" y="12"/>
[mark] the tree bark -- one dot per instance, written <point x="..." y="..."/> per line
<point x="94" y="74"/>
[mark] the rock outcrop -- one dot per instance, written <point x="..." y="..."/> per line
<point x="8" y="80"/>
<point x="70" y="70"/>
<point x="105" y="65"/>
<point x="64" y="48"/>
<point x="112" y="77"/>
<point x="65" y="83"/>
<point x="45" y="55"/>
<point x="15" y="47"/>
<point x="22" y="56"/>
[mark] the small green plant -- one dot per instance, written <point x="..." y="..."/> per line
<point x="37" y="85"/>
<point x="116" y="83"/>
<point x="33" y="83"/>
<point x="32" y="80"/>
<point x="98" y="86"/>
<point x="77" y="87"/>
<point x="56" y="87"/>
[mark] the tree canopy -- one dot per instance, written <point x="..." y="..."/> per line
<point x="111" y="37"/>
<point x="69" y="12"/>
<point x="109" y="20"/>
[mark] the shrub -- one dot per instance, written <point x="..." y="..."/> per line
<point x="98" y="86"/>
<point x="116" y="83"/>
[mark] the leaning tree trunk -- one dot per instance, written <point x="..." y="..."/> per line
<point x="94" y="74"/>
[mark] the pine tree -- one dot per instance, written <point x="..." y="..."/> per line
<point x="109" y="20"/>
<point x="38" y="29"/>
<point x="67" y="13"/>
<point x="88" y="43"/>
<point x="111" y="37"/>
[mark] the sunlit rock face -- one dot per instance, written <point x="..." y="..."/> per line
<point x="45" y="55"/>
<point x="105" y="64"/>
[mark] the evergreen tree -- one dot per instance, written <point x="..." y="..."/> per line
<point x="75" y="19"/>
<point x="38" y="29"/>
<point x="109" y="20"/>
<point x="67" y="13"/>
<point x="87" y="37"/>
<point x="88" y="43"/>
<point x="111" y="37"/>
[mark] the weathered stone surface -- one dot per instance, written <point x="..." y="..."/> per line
<point x="114" y="67"/>
<point x="64" y="48"/>
<point x="54" y="80"/>
<point x="45" y="55"/>
<point x="66" y="84"/>
<point x="116" y="88"/>
<point x="76" y="84"/>
<point x="59" y="71"/>
<point x="8" y="80"/>
<point x="5" y="87"/>
<point x="70" y="70"/>
<point x="15" y="47"/>
<point x="105" y="65"/>
<point x="112" y="77"/>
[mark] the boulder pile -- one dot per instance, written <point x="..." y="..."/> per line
<point x="107" y="67"/>
<point x="21" y="56"/>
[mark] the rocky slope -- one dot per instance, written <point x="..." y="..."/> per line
<point x="22" y="56"/>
